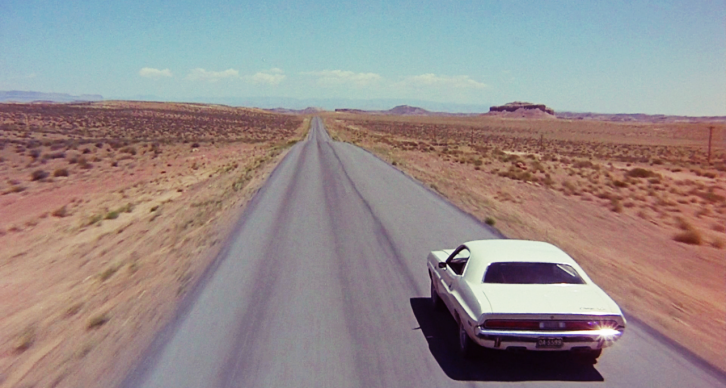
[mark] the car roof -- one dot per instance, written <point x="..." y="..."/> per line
<point x="501" y="250"/>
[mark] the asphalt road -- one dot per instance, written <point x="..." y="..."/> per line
<point x="324" y="284"/>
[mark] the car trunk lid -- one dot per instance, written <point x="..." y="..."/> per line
<point x="545" y="299"/>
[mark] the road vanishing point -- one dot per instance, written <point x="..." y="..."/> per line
<point x="323" y="283"/>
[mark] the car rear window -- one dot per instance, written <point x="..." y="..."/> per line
<point x="532" y="273"/>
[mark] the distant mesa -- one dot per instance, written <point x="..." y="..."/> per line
<point x="522" y="109"/>
<point x="20" y="96"/>
<point x="405" y="110"/>
<point x="306" y="111"/>
<point x="346" y="110"/>
<point x="401" y="110"/>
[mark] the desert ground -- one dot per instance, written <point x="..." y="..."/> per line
<point x="638" y="205"/>
<point x="109" y="213"/>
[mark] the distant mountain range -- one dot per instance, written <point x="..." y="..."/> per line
<point x="329" y="104"/>
<point x="641" y="117"/>
<point x="404" y="110"/>
<point x="19" y="96"/>
<point x="373" y="106"/>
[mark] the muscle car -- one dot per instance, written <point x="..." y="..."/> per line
<point x="522" y="295"/>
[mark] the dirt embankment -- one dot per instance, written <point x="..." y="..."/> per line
<point x="639" y="208"/>
<point x="96" y="253"/>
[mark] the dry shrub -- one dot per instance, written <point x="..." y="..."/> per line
<point x="689" y="237"/>
<point x="24" y="340"/>
<point x="97" y="321"/>
<point x="129" y="150"/>
<point x="60" y="172"/>
<point x="34" y="153"/>
<point x="584" y="164"/>
<point x="569" y="185"/>
<point x="717" y="243"/>
<point x="641" y="173"/>
<point x="60" y="212"/>
<point x="689" y="234"/>
<point x="39" y="175"/>
<point x="83" y="163"/>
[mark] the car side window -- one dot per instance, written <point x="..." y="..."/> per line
<point x="458" y="259"/>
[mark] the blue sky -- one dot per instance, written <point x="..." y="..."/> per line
<point x="602" y="56"/>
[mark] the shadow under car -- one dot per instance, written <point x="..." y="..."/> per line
<point x="441" y="330"/>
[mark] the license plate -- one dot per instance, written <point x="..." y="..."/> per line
<point x="551" y="343"/>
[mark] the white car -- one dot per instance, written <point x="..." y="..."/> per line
<point x="522" y="295"/>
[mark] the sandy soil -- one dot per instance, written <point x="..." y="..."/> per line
<point x="93" y="264"/>
<point x="622" y="228"/>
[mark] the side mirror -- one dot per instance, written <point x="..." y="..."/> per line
<point x="442" y="265"/>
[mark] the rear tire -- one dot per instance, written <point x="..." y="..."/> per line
<point x="467" y="347"/>
<point x="436" y="301"/>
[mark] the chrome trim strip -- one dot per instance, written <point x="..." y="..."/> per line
<point x="609" y="334"/>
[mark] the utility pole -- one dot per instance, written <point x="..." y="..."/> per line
<point x="710" y="136"/>
<point x="541" y="141"/>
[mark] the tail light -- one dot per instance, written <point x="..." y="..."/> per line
<point x="509" y="324"/>
<point x="500" y="324"/>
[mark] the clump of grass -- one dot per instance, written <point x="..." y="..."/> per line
<point x="108" y="272"/>
<point x="39" y="175"/>
<point x="641" y="173"/>
<point x="570" y="188"/>
<point x="97" y="321"/>
<point x="60" y="172"/>
<point x="717" y="243"/>
<point x="74" y="309"/>
<point x="83" y="163"/>
<point x="584" y="164"/>
<point x="94" y="219"/>
<point x="15" y="189"/>
<point x="490" y="221"/>
<point x="128" y="150"/>
<point x="517" y="174"/>
<point x="112" y="215"/>
<point x="25" y="339"/>
<point x="689" y="237"/>
<point x="60" y="212"/>
<point x="689" y="234"/>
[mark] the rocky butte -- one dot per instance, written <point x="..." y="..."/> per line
<point x="518" y="107"/>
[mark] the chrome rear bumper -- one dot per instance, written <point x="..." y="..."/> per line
<point x="571" y="340"/>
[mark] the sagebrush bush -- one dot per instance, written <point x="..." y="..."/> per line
<point x="641" y="173"/>
<point x="60" y="212"/>
<point x="38" y="175"/>
<point x="689" y="237"/>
